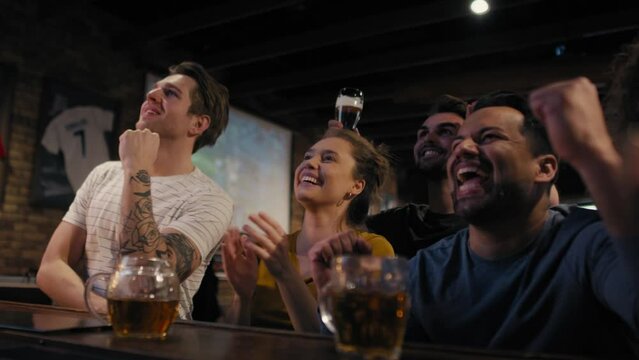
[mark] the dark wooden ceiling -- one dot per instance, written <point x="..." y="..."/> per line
<point x="284" y="60"/>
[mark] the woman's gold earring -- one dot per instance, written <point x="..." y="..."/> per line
<point x="348" y="196"/>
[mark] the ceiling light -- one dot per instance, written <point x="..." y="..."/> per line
<point x="479" y="7"/>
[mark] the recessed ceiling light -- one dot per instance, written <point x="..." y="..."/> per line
<point x="479" y="7"/>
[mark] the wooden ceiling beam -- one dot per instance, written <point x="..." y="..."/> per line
<point x="410" y="98"/>
<point x="430" y="13"/>
<point x="211" y="16"/>
<point x="446" y="52"/>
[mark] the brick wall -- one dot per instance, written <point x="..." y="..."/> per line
<point x="42" y="41"/>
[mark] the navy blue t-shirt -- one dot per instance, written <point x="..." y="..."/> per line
<point x="568" y="292"/>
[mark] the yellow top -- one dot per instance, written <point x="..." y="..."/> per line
<point x="267" y="307"/>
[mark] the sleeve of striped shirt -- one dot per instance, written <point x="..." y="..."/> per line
<point x="77" y="212"/>
<point x="205" y="219"/>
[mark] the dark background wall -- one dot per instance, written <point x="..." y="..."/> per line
<point x="40" y="42"/>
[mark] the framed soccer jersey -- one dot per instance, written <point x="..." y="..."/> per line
<point x="76" y="133"/>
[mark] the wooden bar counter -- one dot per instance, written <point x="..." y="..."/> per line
<point x="192" y="340"/>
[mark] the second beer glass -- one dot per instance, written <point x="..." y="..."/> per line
<point x="366" y="304"/>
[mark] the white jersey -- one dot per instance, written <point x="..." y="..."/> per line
<point x="192" y="203"/>
<point x="79" y="133"/>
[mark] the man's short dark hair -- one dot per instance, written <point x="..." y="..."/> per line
<point x="209" y="98"/>
<point x="532" y="128"/>
<point x="448" y="104"/>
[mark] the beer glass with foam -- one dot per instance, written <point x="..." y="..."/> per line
<point x="348" y="107"/>
<point x="366" y="305"/>
<point x="142" y="297"/>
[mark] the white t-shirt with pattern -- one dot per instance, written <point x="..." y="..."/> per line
<point x="191" y="203"/>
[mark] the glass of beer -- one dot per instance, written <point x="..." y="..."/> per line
<point x="142" y="297"/>
<point x="366" y="305"/>
<point x="348" y="107"/>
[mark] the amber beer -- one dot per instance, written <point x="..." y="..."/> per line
<point x="348" y="107"/>
<point x="143" y="319"/>
<point x="369" y="323"/>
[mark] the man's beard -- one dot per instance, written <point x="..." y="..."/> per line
<point x="503" y="201"/>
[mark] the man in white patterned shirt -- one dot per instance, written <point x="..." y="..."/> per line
<point x="154" y="202"/>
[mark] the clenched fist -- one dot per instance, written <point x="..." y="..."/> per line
<point x="138" y="149"/>
<point x="571" y="112"/>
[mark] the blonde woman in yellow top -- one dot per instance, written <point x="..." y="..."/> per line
<point x="335" y="184"/>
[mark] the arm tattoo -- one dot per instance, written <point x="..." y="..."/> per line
<point x="140" y="232"/>
<point x="182" y="253"/>
<point x="142" y="177"/>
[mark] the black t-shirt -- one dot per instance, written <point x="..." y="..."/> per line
<point x="412" y="227"/>
<point x="205" y="304"/>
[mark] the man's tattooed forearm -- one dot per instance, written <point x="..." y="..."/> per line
<point x="140" y="232"/>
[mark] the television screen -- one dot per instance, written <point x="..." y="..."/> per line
<point x="252" y="162"/>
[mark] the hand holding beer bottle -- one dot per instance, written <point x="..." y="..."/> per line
<point x="348" y="107"/>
